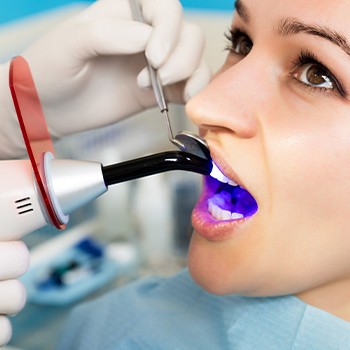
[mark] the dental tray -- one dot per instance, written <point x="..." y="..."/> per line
<point x="80" y="270"/>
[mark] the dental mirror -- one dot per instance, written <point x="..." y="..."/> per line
<point x="192" y="143"/>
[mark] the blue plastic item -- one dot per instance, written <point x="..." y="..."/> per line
<point x="69" y="277"/>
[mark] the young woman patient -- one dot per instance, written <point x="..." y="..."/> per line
<point x="269" y="259"/>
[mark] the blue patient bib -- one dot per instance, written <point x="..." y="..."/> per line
<point x="175" y="313"/>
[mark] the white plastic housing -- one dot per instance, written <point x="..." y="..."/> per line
<point x="20" y="209"/>
<point x="71" y="184"/>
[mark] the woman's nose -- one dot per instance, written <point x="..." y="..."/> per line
<point x="231" y="101"/>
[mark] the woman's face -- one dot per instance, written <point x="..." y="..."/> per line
<point x="277" y="121"/>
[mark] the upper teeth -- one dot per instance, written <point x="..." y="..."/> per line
<point x="217" y="174"/>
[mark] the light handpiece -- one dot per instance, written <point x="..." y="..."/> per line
<point x="44" y="190"/>
<point x="72" y="184"/>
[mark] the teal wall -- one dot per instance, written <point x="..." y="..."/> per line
<point x="15" y="9"/>
<point x="216" y="5"/>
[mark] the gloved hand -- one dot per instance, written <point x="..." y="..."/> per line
<point x="90" y="70"/>
<point x="14" y="261"/>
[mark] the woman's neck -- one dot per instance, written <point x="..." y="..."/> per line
<point x="333" y="298"/>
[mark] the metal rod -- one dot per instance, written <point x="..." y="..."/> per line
<point x="153" y="73"/>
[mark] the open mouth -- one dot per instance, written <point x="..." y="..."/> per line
<point x="229" y="200"/>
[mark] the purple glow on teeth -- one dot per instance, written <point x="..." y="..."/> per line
<point x="216" y="173"/>
<point x="229" y="202"/>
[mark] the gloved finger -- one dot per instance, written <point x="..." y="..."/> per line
<point x="186" y="57"/>
<point x="5" y="330"/>
<point x="198" y="81"/>
<point x="14" y="259"/>
<point x="182" y="91"/>
<point x="108" y="37"/>
<point x="165" y="17"/>
<point x="12" y="297"/>
<point x="183" y="61"/>
<point x="165" y="27"/>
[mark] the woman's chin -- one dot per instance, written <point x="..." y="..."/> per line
<point x="207" y="271"/>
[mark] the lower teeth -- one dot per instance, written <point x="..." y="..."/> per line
<point x="221" y="214"/>
<point x="230" y="202"/>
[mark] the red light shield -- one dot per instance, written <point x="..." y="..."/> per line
<point x="33" y="126"/>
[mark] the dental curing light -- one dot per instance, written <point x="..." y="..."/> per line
<point x="45" y="190"/>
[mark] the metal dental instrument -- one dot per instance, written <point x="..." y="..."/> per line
<point x="185" y="140"/>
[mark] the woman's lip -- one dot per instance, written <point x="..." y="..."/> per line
<point x="225" y="168"/>
<point x="208" y="227"/>
<point x="202" y="221"/>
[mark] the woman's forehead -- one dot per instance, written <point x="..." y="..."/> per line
<point x="333" y="14"/>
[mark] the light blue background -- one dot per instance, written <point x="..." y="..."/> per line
<point x="15" y="9"/>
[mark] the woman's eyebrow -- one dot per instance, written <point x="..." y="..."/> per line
<point x="290" y="26"/>
<point x="242" y="10"/>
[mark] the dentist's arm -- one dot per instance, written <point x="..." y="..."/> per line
<point x="90" y="70"/>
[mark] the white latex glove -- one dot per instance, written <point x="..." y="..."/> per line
<point x="14" y="261"/>
<point x="90" y="70"/>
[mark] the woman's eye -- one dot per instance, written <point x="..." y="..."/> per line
<point x="239" y="42"/>
<point x="310" y="72"/>
<point x="314" y="75"/>
<point x="242" y="46"/>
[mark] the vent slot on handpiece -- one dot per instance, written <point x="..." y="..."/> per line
<point x="24" y="205"/>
